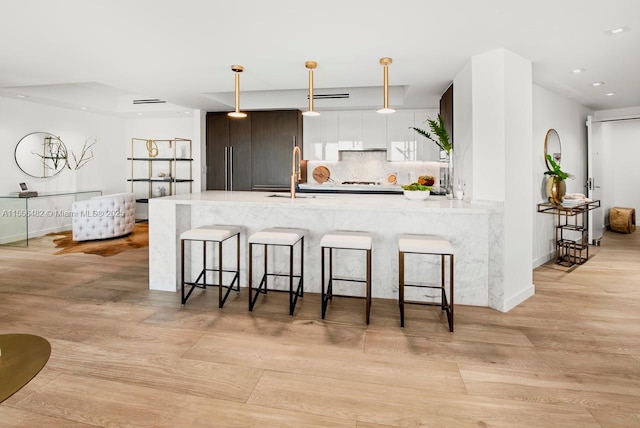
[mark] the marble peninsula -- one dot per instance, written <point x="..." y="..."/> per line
<point x="475" y="231"/>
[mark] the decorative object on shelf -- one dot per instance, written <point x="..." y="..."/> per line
<point x="459" y="191"/>
<point x="416" y="191"/>
<point x="556" y="186"/>
<point x="166" y="166"/>
<point x="152" y="149"/>
<point x="440" y="131"/>
<point x="237" y="69"/>
<point x="311" y="65"/>
<point x="385" y="64"/>
<point x="426" y="180"/>
<point x="392" y="178"/>
<point x="86" y="154"/>
<point x="321" y="174"/>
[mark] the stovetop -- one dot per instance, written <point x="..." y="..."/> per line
<point x="362" y="183"/>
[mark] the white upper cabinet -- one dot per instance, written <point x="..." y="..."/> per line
<point x="332" y="131"/>
<point x="350" y="130"/>
<point x="374" y="130"/>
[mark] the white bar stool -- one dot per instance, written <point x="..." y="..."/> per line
<point x="427" y="245"/>
<point x="278" y="237"/>
<point x="217" y="234"/>
<point x="345" y="240"/>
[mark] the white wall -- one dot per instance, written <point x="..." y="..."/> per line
<point x="621" y="146"/>
<point x="109" y="169"/>
<point x="493" y="137"/>
<point x="104" y="172"/>
<point x="551" y="111"/>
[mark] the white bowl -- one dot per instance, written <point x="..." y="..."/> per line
<point x="416" y="195"/>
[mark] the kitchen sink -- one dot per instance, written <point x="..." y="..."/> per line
<point x="299" y="196"/>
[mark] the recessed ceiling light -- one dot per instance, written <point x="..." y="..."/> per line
<point x="139" y="114"/>
<point x="610" y="94"/>
<point x="578" y="70"/>
<point x="615" y="31"/>
<point x="187" y="112"/>
<point x="21" y="96"/>
<point x="83" y="108"/>
<point x="597" y="84"/>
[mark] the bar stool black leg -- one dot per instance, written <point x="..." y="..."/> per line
<point x="182" y="267"/>
<point x="368" y="284"/>
<point x="451" y="291"/>
<point x="250" y="277"/>
<point x="401" y="286"/>
<point x="443" y="296"/>
<point x="220" y="275"/>
<point x="291" y="281"/>
<point x="302" y="267"/>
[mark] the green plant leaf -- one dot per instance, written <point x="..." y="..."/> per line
<point x="557" y="172"/>
<point x="437" y="127"/>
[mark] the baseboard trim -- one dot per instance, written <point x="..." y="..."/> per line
<point x="514" y="301"/>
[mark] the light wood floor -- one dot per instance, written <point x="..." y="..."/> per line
<point x="125" y="356"/>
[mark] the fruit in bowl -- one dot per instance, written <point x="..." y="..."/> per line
<point x="416" y="191"/>
<point x="426" y="180"/>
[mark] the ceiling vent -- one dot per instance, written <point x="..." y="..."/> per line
<point x="328" y="96"/>
<point x="149" y="101"/>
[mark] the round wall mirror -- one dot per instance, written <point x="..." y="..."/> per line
<point x="41" y="154"/>
<point x="552" y="147"/>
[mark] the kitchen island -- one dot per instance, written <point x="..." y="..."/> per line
<point x="475" y="231"/>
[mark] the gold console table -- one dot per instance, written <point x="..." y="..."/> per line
<point x="572" y="240"/>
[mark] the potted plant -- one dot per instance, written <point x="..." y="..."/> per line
<point x="437" y="127"/>
<point x="556" y="187"/>
<point x="440" y="131"/>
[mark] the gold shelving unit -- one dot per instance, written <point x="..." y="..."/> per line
<point x="163" y="159"/>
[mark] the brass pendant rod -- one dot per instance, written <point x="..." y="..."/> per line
<point x="386" y="86"/>
<point x="310" y="89"/>
<point x="237" y="86"/>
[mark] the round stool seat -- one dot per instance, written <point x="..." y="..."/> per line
<point x="424" y="244"/>
<point x="347" y="240"/>
<point x="215" y="233"/>
<point x="277" y="236"/>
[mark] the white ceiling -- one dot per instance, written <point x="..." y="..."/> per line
<point x="102" y="54"/>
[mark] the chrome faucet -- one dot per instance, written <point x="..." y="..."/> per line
<point x="295" y="171"/>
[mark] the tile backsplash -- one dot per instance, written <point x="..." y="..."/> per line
<point x="372" y="165"/>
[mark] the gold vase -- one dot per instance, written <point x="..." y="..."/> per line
<point x="556" y="189"/>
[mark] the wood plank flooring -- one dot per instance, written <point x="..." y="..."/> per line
<point x="126" y="356"/>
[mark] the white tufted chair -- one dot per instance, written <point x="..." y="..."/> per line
<point x="104" y="217"/>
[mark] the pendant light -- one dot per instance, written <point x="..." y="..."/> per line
<point x="385" y="63"/>
<point x="311" y="65"/>
<point x="237" y="69"/>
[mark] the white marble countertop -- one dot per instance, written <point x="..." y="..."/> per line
<point x="474" y="230"/>
<point x="338" y="201"/>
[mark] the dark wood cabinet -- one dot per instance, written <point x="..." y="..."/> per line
<point x="446" y="111"/>
<point x="253" y="153"/>
<point x="273" y="136"/>
<point x="228" y="153"/>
